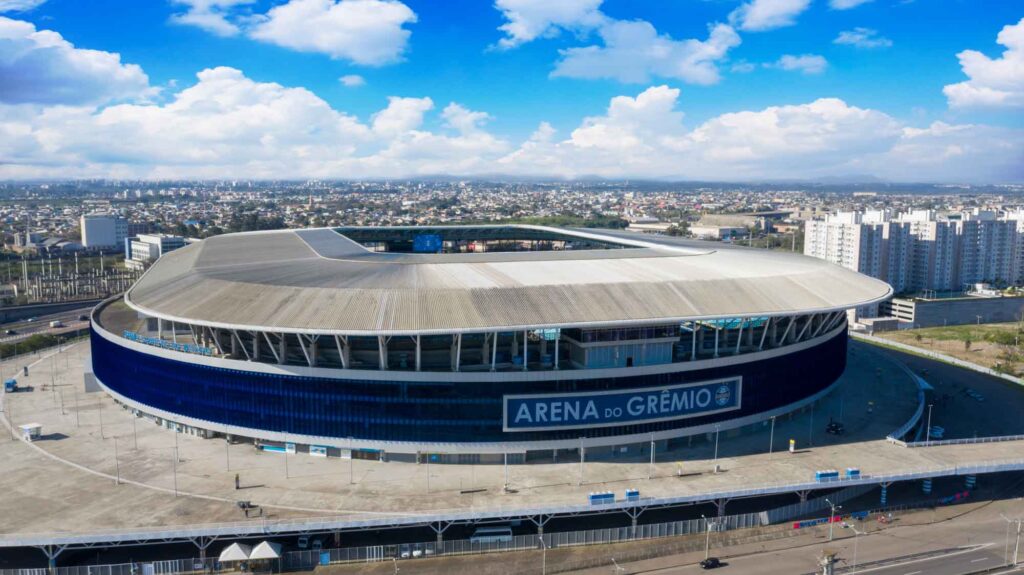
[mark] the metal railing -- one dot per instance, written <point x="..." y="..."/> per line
<point x="305" y="560"/>
<point x="963" y="441"/>
<point x="330" y="524"/>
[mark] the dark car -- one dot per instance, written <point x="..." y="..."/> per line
<point x="835" y="428"/>
<point x="10" y="332"/>
<point x="711" y="563"/>
<point x="83" y="317"/>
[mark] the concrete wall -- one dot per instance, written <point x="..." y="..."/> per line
<point x="963" y="311"/>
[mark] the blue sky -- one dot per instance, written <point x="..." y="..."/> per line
<point x="780" y="89"/>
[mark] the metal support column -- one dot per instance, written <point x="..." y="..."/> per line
<point x="494" y="352"/>
<point x="767" y="323"/>
<point x="526" y="356"/>
<point x="739" y="337"/>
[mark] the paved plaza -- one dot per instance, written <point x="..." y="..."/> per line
<point x="67" y="481"/>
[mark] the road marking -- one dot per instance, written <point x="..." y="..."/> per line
<point x="912" y="573"/>
<point x="979" y="559"/>
<point x="971" y="549"/>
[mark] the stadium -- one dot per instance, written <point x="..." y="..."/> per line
<point x="473" y="343"/>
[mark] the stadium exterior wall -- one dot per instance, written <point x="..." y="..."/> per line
<point x="410" y="412"/>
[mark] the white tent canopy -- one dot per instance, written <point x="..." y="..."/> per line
<point x="266" y="550"/>
<point x="235" y="552"/>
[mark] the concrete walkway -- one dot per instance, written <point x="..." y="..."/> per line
<point x="66" y="482"/>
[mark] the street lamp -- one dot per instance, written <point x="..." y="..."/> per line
<point x="928" y="431"/>
<point x="771" y="437"/>
<point x="543" y="555"/>
<point x="831" y="517"/>
<point x="1016" y="546"/>
<point x="716" y="447"/>
<point x="707" y="538"/>
<point x="856" y="538"/>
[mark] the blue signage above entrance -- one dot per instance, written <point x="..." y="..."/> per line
<point x="603" y="408"/>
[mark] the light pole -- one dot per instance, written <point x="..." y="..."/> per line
<point x="928" y="431"/>
<point x="581" y="462"/>
<point x="1016" y="546"/>
<point x="227" y="453"/>
<point x="117" y="465"/>
<point x="175" y="471"/>
<point x="351" y="457"/>
<point x="543" y="555"/>
<point x="771" y="437"/>
<point x="856" y="538"/>
<point x="716" y="447"/>
<point x="707" y="538"/>
<point x="832" y="516"/>
<point x="650" y="474"/>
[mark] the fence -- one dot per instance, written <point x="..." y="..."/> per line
<point x="306" y="560"/>
<point x="934" y="355"/>
<point x="963" y="441"/>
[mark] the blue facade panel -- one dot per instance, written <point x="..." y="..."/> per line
<point x="430" y="411"/>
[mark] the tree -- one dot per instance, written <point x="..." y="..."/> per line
<point x="967" y="344"/>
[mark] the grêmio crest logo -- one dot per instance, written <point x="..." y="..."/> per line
<point x="621" y="407"/>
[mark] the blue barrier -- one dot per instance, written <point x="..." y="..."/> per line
<point x="602" y="498"/>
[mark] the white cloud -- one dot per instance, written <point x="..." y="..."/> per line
<point x="210" y="15"/>
<point x="228" y="125"/>
<point x="952" y="152"/>
<point x="463" y="119"/>
<point x="759" y="15"/>
<point x="743" y="67"/>
<point x="20" y="5"/>
<point x="401" y="115"/>
<point x="846" y="4"/>
<point x="646" y="136"/>
<point x="368" y="32"/>
<point x="862" y="38"/>
<point x="40" y="66"/>
<point x="804" y="63"/>
<point x="633" y="51"/>
<point x="992" y="82"/>
<point x="531" y="19"/>
<point x="352" y="80"/>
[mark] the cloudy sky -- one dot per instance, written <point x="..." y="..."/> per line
<point x="903" y="90"/>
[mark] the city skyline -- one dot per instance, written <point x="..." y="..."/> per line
<point x="739" y="91"/>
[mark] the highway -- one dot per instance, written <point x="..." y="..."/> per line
<point x="25" y="329"/>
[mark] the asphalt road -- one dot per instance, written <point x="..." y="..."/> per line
<point x="41" y="324"/>
<point x="960" y="414"/>
<point x="955" y="563"/>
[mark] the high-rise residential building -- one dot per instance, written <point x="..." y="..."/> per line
<point x="921" y="251"/>
<point x="103" y="230"/>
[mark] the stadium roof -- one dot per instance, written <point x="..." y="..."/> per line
<point x="319" y="281"/>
